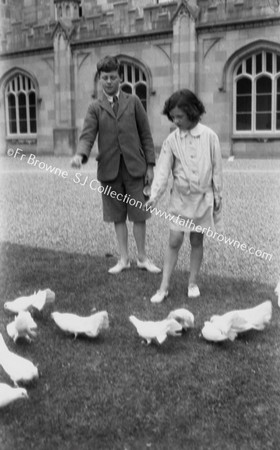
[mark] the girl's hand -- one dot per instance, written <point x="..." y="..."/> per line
<point x="149" y="204"/>
<point x="76" y="161"/>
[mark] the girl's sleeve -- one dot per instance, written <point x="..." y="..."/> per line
<point x="162" y="171"/>
<point x="217" y="175"/>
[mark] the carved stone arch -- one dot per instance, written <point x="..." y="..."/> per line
<point x="18" y="71"/>
<point x="239" y="55"/>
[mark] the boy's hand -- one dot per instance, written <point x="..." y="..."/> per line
<point x="76" y="161"/>
<point x="149" y="175"/>
<point x="217" y="203"/>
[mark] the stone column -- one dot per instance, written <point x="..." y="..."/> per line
<point x="184" y="46"/>
<point x="64" y="133"/>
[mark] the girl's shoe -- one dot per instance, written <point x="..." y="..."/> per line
<point x="193" y="291"/>
<point x="159" y="296"/>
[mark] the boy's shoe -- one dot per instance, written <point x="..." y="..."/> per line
<point x="148" y="265"/>
<point x="159" y="296"/>
<point x="193" y="291"/>
<point x="119" y="267"/>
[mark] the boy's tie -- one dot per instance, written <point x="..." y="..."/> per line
<point x="115" y="104"/>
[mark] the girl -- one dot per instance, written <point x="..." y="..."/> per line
<point x="192" y="154"/>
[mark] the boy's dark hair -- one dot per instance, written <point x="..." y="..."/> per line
<point x="188" y="102"/>
<point x="108" y="64"/>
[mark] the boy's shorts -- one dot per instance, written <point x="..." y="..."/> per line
<point x="123" y="197"/>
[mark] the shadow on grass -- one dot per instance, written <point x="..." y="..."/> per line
<point x="114" y="392"/>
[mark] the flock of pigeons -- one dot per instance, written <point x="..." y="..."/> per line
<point x="21" y="370"/>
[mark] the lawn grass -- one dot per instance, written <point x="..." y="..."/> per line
<point x="114" y="392"/>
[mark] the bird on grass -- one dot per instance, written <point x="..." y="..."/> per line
<point x="9" y="394"/>
<point x="183" y="316"/>
<point x="22" y="327"/>
<point x="18" y="368"/>
<point x="156" y="330"/>
<point x="227" y="326"/>
<point x="37" y="300"/>
<point x="91" y="325"/>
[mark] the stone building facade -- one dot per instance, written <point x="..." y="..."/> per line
<point x="227" y="51"/>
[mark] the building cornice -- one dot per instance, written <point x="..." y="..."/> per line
<point x="94" y="42"/>
<point x="26" y="52"/>
<point x="133" y="37"/>
<point x="226" y="25"/>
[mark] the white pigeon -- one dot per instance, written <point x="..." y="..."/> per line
<point x="9" y="394"/>
<point x="183" y="316"/>
<point x="37" y="300"/>
<point x="277" y="292"/>
<point x="74" y="324"/>
<point x="228" y="325"/>
<point x="18" y="368"/>
<point x="159" y="330"/>
<point x="211" y="333"/>
<point x="22" y="327"/>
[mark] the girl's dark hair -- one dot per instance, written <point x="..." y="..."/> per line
<point x="188" y="102"/>
<point x="108" y="64"/>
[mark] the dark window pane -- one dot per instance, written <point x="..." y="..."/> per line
<point x="13" y="85"/>
<point x="249" y="65"/>
<point x="12" y="113"/>
<point x="239" y="70"/>
<point x="122" y="71"/>
<point x="23" y="126"/>
<point x="278" y="63"/>
<point x="278" y="121"/>
<point x="29" y="84"/>
<point x="18" y="84"/>
<point x="278" y="102"/>
<point x="264" y="85"/>
<point x="243" y="122"/>
<point x="13" y="126"/>
<point x="143" y="76"/>
<point x="278" y="85"/>
<point x="269" y="62"/>
<point x="259" y="63"/>
<point x="33" y="126"/>
<point x="22" y="113"/>
<point x="126" y="88"/>
<point x="264" y="103"/>
<point x="244" y="103"/>
<point x="244" y="86"/>
<point x="32" y="112"/>
<point x="11" y="101"/>
<point x="129" y="73"/>
<point x="136" y="74"/>
<point x="141" y="91"/>
<point x="32" y="99"/>
<point x="22" y="100"/>
<point x="263" y="121"/>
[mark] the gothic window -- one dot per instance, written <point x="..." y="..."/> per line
<point x="134" y="81"/>
<point x="257" y="94"/>
<point x="20" y="100"/>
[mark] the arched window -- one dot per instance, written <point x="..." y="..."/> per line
<point x="20" y="100"/>
<point x="257" y="94"/>
<point x="134" y="81"/>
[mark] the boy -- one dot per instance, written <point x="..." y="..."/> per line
<point x="125" y="160"/>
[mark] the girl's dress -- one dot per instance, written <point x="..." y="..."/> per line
<point x="194" y="157"/>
